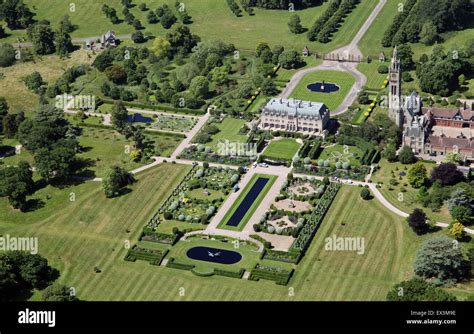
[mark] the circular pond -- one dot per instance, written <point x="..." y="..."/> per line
<point x="213" y="255"/>
<point x="323" y="87"/>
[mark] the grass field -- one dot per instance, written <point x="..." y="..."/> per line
<point x="211" y="20"/>
<point x="12" y="87"/>
<point x="331" y="100"/>
<point x="253" y="207"/>
<point x="405" y="201"/>
<point x="229" y="130"/>
<point x="281" y="149"/>
<point x="77" y="236"/>
<point x="374" y="78"/>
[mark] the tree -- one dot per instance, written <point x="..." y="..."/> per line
<point x="447" y="174"/>
<point x="417" y="175"/>
<point x="365" y="193"/>
<point x="462" y="214"/>
<point x="7" y="55"/>
<point x="406" y="156"/>
<point x="152" y="18"/>
<point x="181" y="39"/>
<point x="119" y="117"/>
<point x="10" y="125"/>
<point x="42" y="38"/>
<point x="22" y="271"/>
<point x="161" y="47"/>
<point x="390" y="153"/>
<point x="459" y="198"/>
<point x="456" y="230"/>
<point x="417" y="221"/>
<point x="290" y="59"/>
<point x="66" y="25"/>
<point x="115" y="181"/>
<point x="58" y="160"/>
<point x="199" y="87"/>
<point x="34" y="81"/>
<point x="295" y="24"/>
<point x="453" y="158"/>
<point x="63" y="43"/>
<point x="418" y="290"/>
<point x="429" y="33"/>
<point x="264" y="52"/>
<point x="382" y="69"/>
<point x="138" y="37"/>
<point x="58" y="293"/>
<point x="405" y="54"/>
<point x="116" y="74"/>
<point x="406" y="77"/>
<point x="16" y="183"/>
<point x="219" y="75"/>
<point x="441" y="258"/>
<point x="168" y="19"/>
<point x="16" y="14"/>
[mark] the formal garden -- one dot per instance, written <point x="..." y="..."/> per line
<point x="176" y="123"/>
<point x="292" y="208"/>
<point x="336" y="160"/>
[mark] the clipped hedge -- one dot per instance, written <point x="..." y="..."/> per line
<point x="279" y="275"/>
<point x="157" y="107"/>
<point x="153" y="256"/>
<point x="172" y="263"/>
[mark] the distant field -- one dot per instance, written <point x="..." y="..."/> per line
<point x="331" y="100"/>
<point x="212" y="20"/>
<point x="51" y="68"/>
<point x="281" y="149"/>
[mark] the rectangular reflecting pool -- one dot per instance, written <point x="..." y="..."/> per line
<point x="247" y="202"/>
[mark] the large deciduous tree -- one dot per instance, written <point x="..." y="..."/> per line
<point x="440" y="258"/>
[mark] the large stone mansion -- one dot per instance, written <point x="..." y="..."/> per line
<point x="430" y="130"/>
<point x="294" y="116"/>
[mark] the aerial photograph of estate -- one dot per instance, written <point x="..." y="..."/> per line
<point x="236" y="151"/>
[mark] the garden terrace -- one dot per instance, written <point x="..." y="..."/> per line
<point x="283" y="149"/>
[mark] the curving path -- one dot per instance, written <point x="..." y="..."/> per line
<point x="350" y="68"/>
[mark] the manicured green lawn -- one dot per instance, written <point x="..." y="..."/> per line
<point x="342" y="153"/>
<point x="78" y="236"/>
<point x="198" y="194"/>
<point x="106" y="148"/>
<point x="253" y="207"/>
<point x="229" y="130"/>
<point x="405" y="201"/>
<point x="374" y="78"/>
<point x="167" y="226"/>
<point x="281" y="149"/>
<point x="371" y="42"/>
<point x="332" y="100"/>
